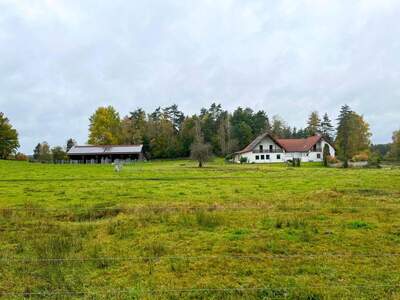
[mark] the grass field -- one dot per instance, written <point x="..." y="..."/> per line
<point x="169" y="230"/>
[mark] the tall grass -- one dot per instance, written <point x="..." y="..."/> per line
<point x="261" y="226"/>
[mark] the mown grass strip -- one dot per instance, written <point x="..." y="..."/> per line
<point x="202" y="257"/>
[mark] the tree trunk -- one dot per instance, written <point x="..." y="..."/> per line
<point x="200" y="164"/>
<point x="345" y="163"/>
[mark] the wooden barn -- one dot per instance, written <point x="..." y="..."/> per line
<point x="105" y="153"/>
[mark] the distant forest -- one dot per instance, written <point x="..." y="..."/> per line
<point x="169" y="133"/>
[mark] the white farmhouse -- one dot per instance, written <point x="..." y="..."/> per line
<point x="267" y="149"/>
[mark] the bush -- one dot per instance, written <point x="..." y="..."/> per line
<point x="229" y="158"/>
<point x="362" y="156"/>
<point x="374" y="160"/>
<point x="243" y="160"/>
<point x="21" y="157"/>
<point x="332" y="159"/>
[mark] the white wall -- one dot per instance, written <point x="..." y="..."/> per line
<point x="266" y="143"/>
<point x="263" y="157"/>
<point x="331" y="149"/>
<point x="312" y="156"/>
<point x="267" y="157"/>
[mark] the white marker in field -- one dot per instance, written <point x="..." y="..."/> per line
<point x="117" y="167"/>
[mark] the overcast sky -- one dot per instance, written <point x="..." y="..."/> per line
<point x="60" y="60"/>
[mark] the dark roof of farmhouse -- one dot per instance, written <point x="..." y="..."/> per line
<point x="105" y="149"/>
<point x="289" y="145"/>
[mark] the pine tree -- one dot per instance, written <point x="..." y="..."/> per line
<point x="134" y="127"/>
<point x="36" y="151"/>
<point x="70" y="143"/>
<point x="326" y="153"/>
<point x="314" y="123"/>
<point x="327" y="128"/>
<point x="173" y="114"/>
<point x="243" y="131"/>
<point x="342" y="134"/>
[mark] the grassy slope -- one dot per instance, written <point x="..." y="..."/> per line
<point x="182" y="228"/>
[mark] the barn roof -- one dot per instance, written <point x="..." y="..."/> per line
<point x="105" y="149"/>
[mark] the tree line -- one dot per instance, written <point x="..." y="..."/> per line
<point x="44" y="153"/>
<point x="168" y="133"/>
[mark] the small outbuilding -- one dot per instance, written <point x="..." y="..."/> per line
<point x="105" y="153"/>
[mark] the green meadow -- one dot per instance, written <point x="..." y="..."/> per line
<point x="170" y="230"/>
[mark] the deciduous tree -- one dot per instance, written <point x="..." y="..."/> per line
<point x="227" y="143"/>
<point x="352" y="135"/>
<point x="186" y="136"/>
<point x="58" y="154"/>
<point x="162" y="137"/>
<point x="42" y="152"/>
<point x="278" y="127"/>
<point x="394" y="152"/>
<point x="199" y="150"/>
<point x="8" y="138"/>
<point x="105" y="127"/>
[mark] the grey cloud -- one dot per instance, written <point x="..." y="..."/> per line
<point x="62" y="59"/>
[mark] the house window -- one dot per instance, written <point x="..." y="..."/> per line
<point x="262" y="156"/>
<point x="271" y="147"/>
<point x="266" y="156"/>
<point x="261" y="148"/>
<point x="278" y="156"/>
<point x="318" y="155"/>
<point x="257" y="157"/>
